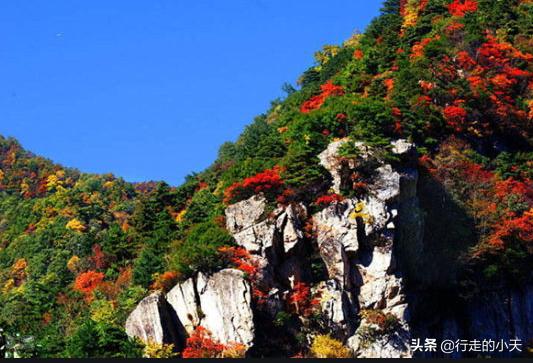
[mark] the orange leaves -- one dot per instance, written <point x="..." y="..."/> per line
<point x="455" y="117"/>
<point x="358" y="54"/>
<point x="301" y="301"/>
<point x="165" y="281"/>
<point x="88" y="281"/>
<point x="460" y="8"/>
<point x="99" y="259"/>
<point x="202" y="345"/>
<point x="328" y="90"/>
<point x="502" y="209"/>
<point x="521" y="228"/>
<point x="417" y="51"/>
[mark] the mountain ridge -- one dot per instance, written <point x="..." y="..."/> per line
<point x="447" y="82"/>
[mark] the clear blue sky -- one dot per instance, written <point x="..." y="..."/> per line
<point x="149" y="89"/>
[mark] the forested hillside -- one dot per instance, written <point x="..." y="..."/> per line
<point x="452" y="77"/>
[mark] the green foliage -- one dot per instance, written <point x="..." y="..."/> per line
<point x="101" y="340"/>
<point x="199" y="250"/>
<point x="203" y="206"/>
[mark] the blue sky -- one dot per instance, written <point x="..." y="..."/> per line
<point x="149" y="89"/>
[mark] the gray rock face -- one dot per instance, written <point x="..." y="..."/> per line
<point x="355" y="239"/>
<point x="245" y="214"/>
<point x="337" y="310"/>
<point x="225" y="300"/>
<point x="152" y="321"/>
<point x="221" y="303"/>
<point x="272" y="238"/>
<point x="330" y="160"/>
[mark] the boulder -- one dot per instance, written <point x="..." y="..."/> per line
<point x="153" y="321"/>
<point x="226" y="304"/>
<point x="184" y="301"/>
<point x="221" y="303"/>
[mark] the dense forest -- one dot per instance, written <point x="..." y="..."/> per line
<point x="79" y="251"/>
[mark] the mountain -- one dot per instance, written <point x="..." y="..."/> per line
<point x="387" y="198"/>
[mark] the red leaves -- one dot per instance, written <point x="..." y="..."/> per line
<point x="201" y="345"/>
<point x="241" y="258"/>
<point x="358" y="54"/>
<point x="326" y="200"/>
<point x="328" y="90"/>
<point x="501" y="209"/>
<point x="520" y="228"/>
<point x="455" y="117"/>
<point x="88" y="281"/>
<point x="460" y="8"/>
<point x="301" y="301"/>
<point x="98" y="258"/>
<point x="268" y="182"/>
<point x="417" y="51"/>
<point x="465" y="61"/>
<point x="523" y="190"/>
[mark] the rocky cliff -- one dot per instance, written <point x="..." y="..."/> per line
<point x="360" y="295"/>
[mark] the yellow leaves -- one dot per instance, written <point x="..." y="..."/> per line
<point x="73" y="264"/>
<point x="75" y="225"/>
<point x="17" y="277"/>
<point x="24" y="187"/>
<point x="156" y="350"/>
<point x="358" y="212"/>
<point x="103" y="311"/>
<point x="180" y="215"/>
<point x="109" y="184"/>
<point x="54" y="181"/>
<point x="234" y="350"/>
<point x="354" y="40"/>
<point x="412" y="11"/>
<point x="8" y="286"/>
<point x="322" y="57"/>
<point x="325" y="346"/>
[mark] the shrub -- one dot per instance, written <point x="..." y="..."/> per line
<point x="301" y="301"/>
<point x="268" y="182"/>
<point x="324" y="346"/>
<point x="199" y="250"/>
<point x="165" y="281"/>
<point x="202" y="345"/>
<point x="160" y="351"/>
<point x="326" y="200"/>
<point x="88" y="281"/>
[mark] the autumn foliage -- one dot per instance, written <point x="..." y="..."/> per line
<point x="327" y="90"/>
<point x="325" y="200"/>
<point x="460" y="8"/>
<point x="268" y="182"/>
<point x="86" y="282"/>
<point x="301" y="301"/>
<point x="201" y="344"/>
